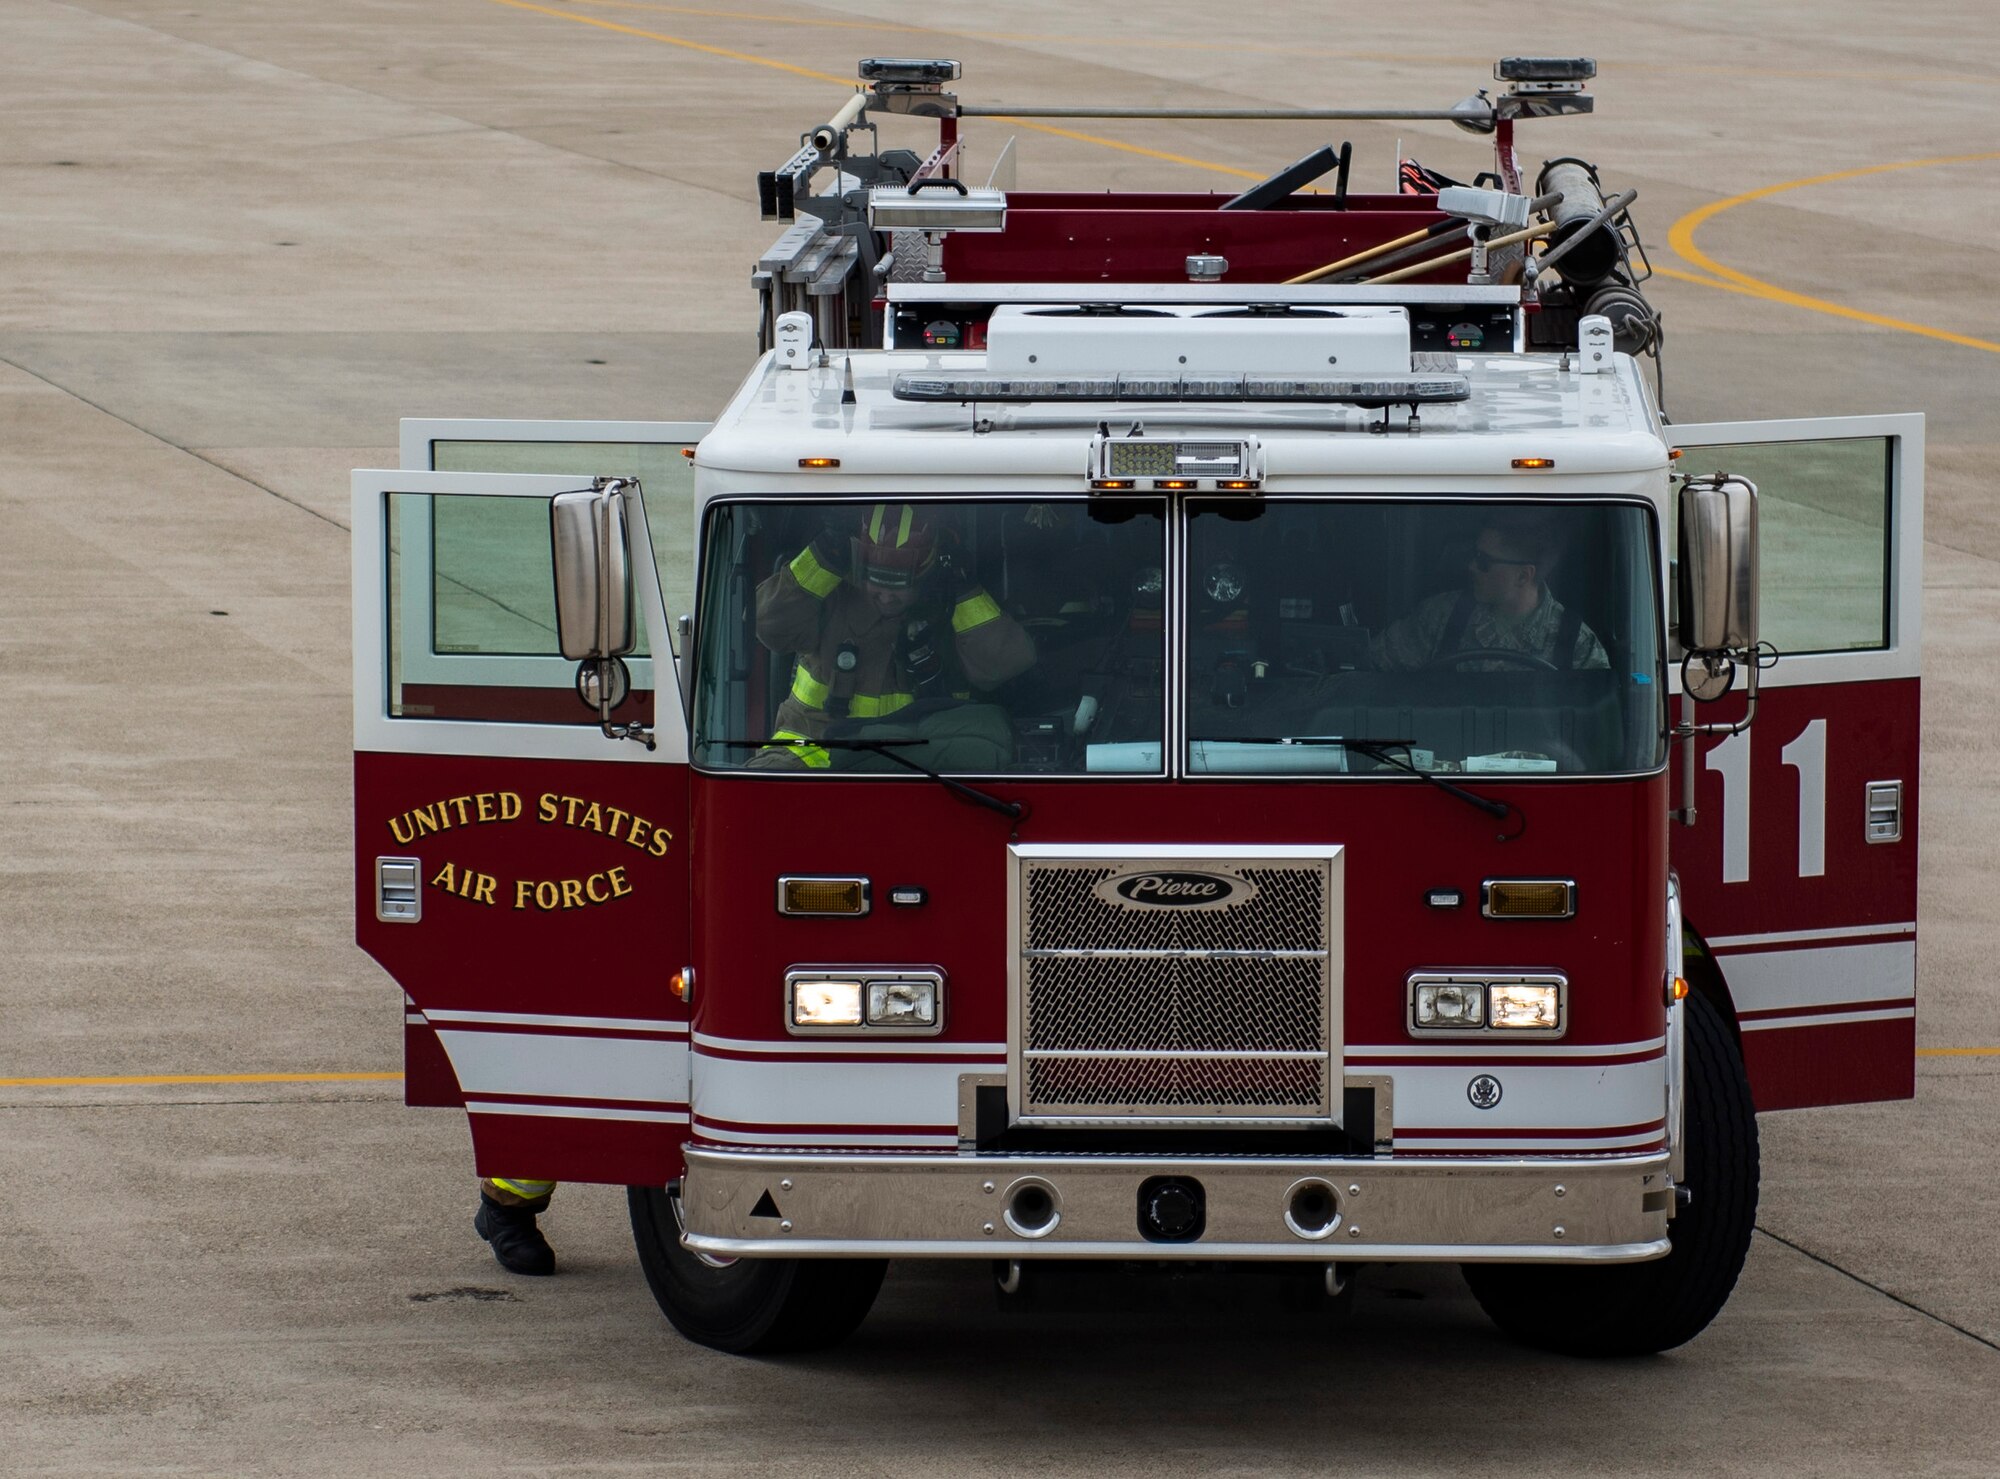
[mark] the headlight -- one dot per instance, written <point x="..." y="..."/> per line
<point x="1522" y="1007"/>
<point x="1479" y="1003"/>
<point x="869" y="1001"/>
<point x="826" y="1004"/>
<point x="1459" y="1004"/>
<point x="902" y="1003"/>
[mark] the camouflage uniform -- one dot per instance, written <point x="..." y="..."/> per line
<point x="1428" y="633"/>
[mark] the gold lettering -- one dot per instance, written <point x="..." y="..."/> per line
<point x="402" y="830"/>
<point x="619" y="887"/>
<point x="545" y="806"/>
<point x="661" y="837"/>
<point x="425" y="820"/>
<point x="593" y="820"/>
<point x="487" y="810"/>
<point x="446" y="879"/>
<point x="590" y="887"/>
<point x="522" y="888"/>
<point x="459" y="803"/>
<point x="482" y="889"/>
<point x="636" y="833"/>
<point x="547" y="896"/>
<point x="617" y="819"/>
<point x="570" y="804"/>
<point x="510" y="813"/>
<point x="572" y="893"/>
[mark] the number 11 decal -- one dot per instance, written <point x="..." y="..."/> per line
<point x="1807" y="755"/>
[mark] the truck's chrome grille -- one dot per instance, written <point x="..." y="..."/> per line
<point x="1175" y="1010"/>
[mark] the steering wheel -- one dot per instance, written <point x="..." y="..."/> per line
<point x="1491" y="654"/>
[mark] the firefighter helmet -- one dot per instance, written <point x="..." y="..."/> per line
<point x="896" y="547"/>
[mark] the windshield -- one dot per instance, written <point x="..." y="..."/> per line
<point x="1017" y="636"/>
<point x="973" y="637"/>
<point x="1470" y="637"/>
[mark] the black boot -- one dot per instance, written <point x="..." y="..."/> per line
<point x="517" y="1243"/>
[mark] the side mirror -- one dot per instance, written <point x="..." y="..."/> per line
<point x="595" y="626"/>
<point x="593" y="572"/>
<point x="1718" y="565"/>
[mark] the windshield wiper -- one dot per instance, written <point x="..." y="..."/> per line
<point x="1384" y="750"/>
<point x="887" y="749"/>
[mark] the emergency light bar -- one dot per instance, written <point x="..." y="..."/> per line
<point x="1545" y="69"/>
<point x="1392" y="390"/>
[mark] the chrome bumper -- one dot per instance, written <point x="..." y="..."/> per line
<point x="840" y="1204"/>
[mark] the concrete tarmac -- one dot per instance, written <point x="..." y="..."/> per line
<point x="239" y="240"/>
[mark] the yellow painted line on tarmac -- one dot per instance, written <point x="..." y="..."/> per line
<point x="147" y="1079"/>
<point x="848" y="82"/>
<point x="1958" y="1052"/>
<point x="1681" y="239"/>
<point x="681" y="41"/>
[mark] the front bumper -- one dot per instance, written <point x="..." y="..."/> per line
<point x="798" y="1204"/>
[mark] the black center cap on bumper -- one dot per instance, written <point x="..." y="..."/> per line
<point x="1172" y="1209"/>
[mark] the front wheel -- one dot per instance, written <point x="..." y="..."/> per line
<point x="748" y="1305"/>
<point x="1640" y="1308"/>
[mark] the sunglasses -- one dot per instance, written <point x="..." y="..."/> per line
<point x="1483" y="562"/>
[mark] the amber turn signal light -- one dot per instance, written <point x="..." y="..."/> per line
<point x="839" y="896"/>
<point x="1527" y="898"/>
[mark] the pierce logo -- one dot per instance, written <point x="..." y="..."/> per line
<point x="1164" y="888"/>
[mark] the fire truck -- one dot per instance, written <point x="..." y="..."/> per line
<point x="1155" y="727"/>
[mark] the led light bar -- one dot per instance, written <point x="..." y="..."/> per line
<point x="1396" y="390"/>
<point x="1139" y="457"/>
<point x="909" y="69"/>
<point x="1545" y="69"/>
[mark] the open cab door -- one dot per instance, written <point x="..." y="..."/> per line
<point x="521" y="856"/>
<point x="1799" y="879"/>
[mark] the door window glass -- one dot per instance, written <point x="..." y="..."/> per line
<point x="1822" y="538"/>
<point x="666" y="476"/>
<point x="472" y="616"/>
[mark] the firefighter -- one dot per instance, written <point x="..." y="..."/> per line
<point x="890" y="638"/>
<point x="506" y="1219"/>
<point x="1506" y="607"/>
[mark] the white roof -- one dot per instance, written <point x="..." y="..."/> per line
<point x="1520" y="406"/>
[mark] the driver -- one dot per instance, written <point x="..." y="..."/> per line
<point x="885" y="628"/>
<point x="1505" y="608"/>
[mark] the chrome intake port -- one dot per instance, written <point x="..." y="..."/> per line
<point x="1312" y="1209"/>
<point x="1172" y="1209"/>
<point x="1033" y="1208"/>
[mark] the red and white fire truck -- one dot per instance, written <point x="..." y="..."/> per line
<point x="1364" y="852"/>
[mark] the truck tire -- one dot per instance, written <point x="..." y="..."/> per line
<point x="748" y="1305"/>
<point x="1639" y="1308"/>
